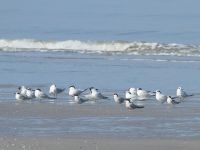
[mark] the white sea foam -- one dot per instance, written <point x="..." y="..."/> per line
<point x="113" y="47"/>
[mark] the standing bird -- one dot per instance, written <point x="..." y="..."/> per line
<point x="74" y="91"/>
<point x="118" y="99"/>
<point x="170" y="100"/>
<point x="54" y="90"/>
<point x="160" y="97"/>
<point x="181" y="93"/>
<point x="130" y="105"/>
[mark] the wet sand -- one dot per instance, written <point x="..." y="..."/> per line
<point x="52" y="143"/>
<point x="99" y="108"/>
<point x="98" y="120"/>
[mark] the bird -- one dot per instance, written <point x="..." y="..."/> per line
<point x="54" y="90"/>
<point x="73" y="91"/>
<point x="130" y="95"/>
<point x="19" y="96"/>
<point x="79" y="100"/>
<point x="118" y="99"/>
<point x="39" y="94"/>
<point x="143" y="94"/>
<point x="129" y="105"/>
<point x="22" y="90"/>
<point x="30" y="93"/>
<point x="133" y="91"/>
<point x="95" y="94"/>
<point x="181" y="93"/>
<point x="171" y="100"/>
<point x="160" y="97"/>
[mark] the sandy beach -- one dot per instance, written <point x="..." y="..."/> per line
<point x="43" y="112"/>
<point x="52" y="143"/>
<point x="103" y="124"/>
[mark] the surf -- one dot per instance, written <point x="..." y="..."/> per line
<point x="110" y="47"/>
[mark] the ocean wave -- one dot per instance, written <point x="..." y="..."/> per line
<point x="110" y="47"/>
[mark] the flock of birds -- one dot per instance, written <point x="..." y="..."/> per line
<point x="131" y="95"/>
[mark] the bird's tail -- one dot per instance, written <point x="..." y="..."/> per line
<point x="176" y="102"/>
<point x="49" y="97"/>
<point x="104" y="97"/>
<point x="190" y="95"/>
<point x="85" y="90"/>
<point x="139" y="106"/>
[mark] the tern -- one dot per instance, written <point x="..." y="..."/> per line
<point x="143" y="94"/>
<point x="30" y="93"/>
<point x="130" y="105"/>
<point x="160" y="97"/>
<point x="22" y="90"/>
<point x="54" y="90"/>
<point x="171" y="100"/>
<point x="39" y="94"/>
<point x="181" y="93"/>
<point x="19" y="96"/>
<point x="74" y="91"/>
<point x="79" y="100"/>
<point x="129" y="95"/>
<point x="95" y="94"/>
<point x="133" y="91"/>
<point x="118" y="99"/>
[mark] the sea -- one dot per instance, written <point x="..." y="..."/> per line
<point x="108" y="44"/>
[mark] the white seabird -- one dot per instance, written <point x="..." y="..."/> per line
<point x="160" y="97"/>
<point x="54" y="90"/>
<point x="170" y="100"/>
<point x="130" y="105"/>
<point x="30" y="94"/>
<point x="19" y="96"/>
<point x="22" y="90"/>
<point x="39" y="94"/>
<point x="118" y="99"/>
<point x="143" y="94"/>
<point x="79" y="100"/>
<point x="181" y="93"/>
<point x="95" y="94"/>
<point x="129" y="95"/>
<point x="74" y="91"/>
<point x="133" y="91"/>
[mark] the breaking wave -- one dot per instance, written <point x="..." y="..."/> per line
<point x="109" y="47"/>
